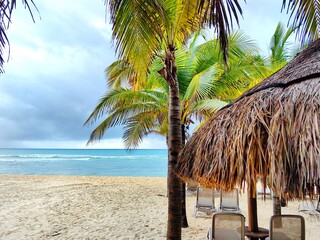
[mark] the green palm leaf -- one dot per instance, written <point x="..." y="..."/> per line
<point x="202" y="83"/>
<point x="141" y="125"/>
<point x="279" y="45"/>
<point x="220" y="14"/>
<point x="208" y="105"/>
<point x="137" y="35"/>
<point x="6" y="8"/>
<point x="306" y="16"/>
<point x="120" y="105"/>
<point x="120" y="73"/>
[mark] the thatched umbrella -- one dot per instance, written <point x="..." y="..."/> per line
<point x="270" y="134"/>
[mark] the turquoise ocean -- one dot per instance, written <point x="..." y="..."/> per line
<point x="84" y="162"/>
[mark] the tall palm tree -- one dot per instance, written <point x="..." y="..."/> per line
<point x="140" y="30"/>
<point x="200" y="76"/>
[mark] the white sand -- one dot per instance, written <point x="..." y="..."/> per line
<point x="51" y="207"/>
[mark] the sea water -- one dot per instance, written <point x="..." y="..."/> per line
<point x="85" y="162"/>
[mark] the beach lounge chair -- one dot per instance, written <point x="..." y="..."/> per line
<point x="264" y="193"/>
<point x="229" y="201"/>
<point x="309" y="207"/>
<point x="204" y="202"/>
<point x="192" y="186"/>
<point x="227" y="226"/>
<point x="287" y="227"/>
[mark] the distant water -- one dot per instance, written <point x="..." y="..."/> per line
<point x="84" y="162"/>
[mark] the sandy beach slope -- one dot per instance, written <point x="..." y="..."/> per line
<point x="53" y="207"/>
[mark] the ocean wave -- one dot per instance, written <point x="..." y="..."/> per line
<point x="66" y="157"/>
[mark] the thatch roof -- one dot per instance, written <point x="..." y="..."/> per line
<point x="272" y="132"/>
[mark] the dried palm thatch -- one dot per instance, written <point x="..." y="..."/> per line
<point x="271" y="133"/>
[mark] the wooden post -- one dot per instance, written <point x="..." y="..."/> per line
<point x="277" y="210"/>
<point x="276" y="205"/>
<point x="252" y="209"/>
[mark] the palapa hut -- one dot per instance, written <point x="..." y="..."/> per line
<point x="270" y="134"/>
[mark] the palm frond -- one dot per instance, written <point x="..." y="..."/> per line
<point x="6" y="8"/>
<point x="201" y="84"/>
<point x="155" y="80"/>
<point x="119" y="98"/>
<point x="201" y="110"/>
<point x="185" y="69"/>
<point x="140" y="126"/>
<point x="240" y="75"/>
<point x="120" y="117"/>
<point x="136" y="31"/>
<point x="279" y="45"/>
<point x="120" y="73"/>
<point x="120" y="105"/>
<point x="208" y="105"/>
<point x="305" y="14"/>
<point x="196" y="36"/>
<point x="187" y="21"/>
<point x="220" y="15"/>
<point x="241" y="45"/>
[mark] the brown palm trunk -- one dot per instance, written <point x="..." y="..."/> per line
<point x="174" y="145"/>
<point x="184" y="220"/>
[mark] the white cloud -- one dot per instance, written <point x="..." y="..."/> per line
<point x="55" y="75"/>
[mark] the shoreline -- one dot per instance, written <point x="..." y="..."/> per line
<point x="71" y="176"/>
<point x="103" y="207"/>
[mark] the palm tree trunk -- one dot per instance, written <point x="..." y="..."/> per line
<point x="184" y="220"/>
<point x="174" y="144"/>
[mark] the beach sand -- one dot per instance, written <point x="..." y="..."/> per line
<point x="54" y="207"/>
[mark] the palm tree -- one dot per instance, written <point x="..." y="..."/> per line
<point x="201" y="77"/>
<point x="141" y="29"/>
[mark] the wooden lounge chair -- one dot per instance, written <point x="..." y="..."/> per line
<point x="229" y="201"/>
<point x="287" y="227"/>
<point x="204" y="202"/>
<point x="227" y="226"/>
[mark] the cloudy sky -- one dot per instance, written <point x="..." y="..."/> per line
<point x="55" y="73"/>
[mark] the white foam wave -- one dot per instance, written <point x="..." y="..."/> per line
<point x="66" y="157"/>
